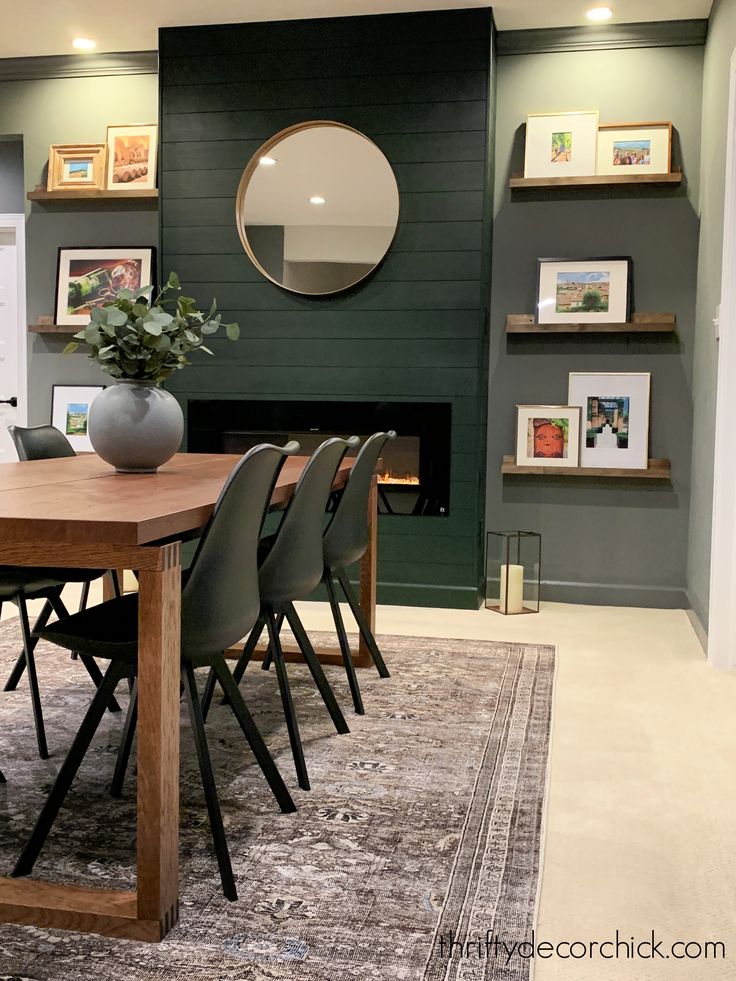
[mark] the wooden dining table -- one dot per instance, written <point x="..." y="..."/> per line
<point x="77" y="512"/>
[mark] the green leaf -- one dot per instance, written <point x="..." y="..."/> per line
<point x="98" y="315"/>
<point x="139" y="310"/>
<point x="206" y="350"/>
<point x="232" y="331"/>
<point x="173" y="281"/>
<point x="116" y="317"/>
<point x="152" y="327"/>
<point x="124" y="295"/>
<point x="70" y="347"/>
<point x="210" y="327"/>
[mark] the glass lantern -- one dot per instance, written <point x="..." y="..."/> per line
<point x="513" y="571"/>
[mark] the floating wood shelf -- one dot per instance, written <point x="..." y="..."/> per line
<point x="657" y="470"/>
<point x="93" y="194"/>
<point x="45" y="326"/>
<point x="641" y="323"/>
<point x="598" y="180"/>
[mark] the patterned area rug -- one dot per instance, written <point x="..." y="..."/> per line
<point x="422" y="830"/>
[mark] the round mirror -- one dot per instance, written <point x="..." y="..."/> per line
<point x="317" y="208"/>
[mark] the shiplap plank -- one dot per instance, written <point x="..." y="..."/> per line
<point x="222" y="96"/>
<point x="470" y="54"/>
<point x="398" y="267"/>
<point x="419" y="117"/>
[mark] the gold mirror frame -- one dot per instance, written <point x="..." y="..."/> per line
<point x="251" y="168"/>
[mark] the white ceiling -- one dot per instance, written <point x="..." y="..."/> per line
<point x="46" y="27"/>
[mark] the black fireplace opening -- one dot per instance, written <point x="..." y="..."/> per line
<point x="415" y="477"/>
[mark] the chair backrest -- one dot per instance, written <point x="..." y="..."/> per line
<point x="40" y="442"/>
<point x="293" y="566"/>
<point x="346" y="538"/>
<point x="220" y="600"/>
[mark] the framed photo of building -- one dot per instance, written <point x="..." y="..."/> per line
<point x="635" y="148"/>
<point x="70" y="405"/>
<point x="548" y="435"/>
<point x="76" y="165"/>
<point x="584" y="291"/>
<point x="88" y="278"/>
<point x="561" y="144"/>
<point x="615" y="418"/>
<point x="131" y="157"/>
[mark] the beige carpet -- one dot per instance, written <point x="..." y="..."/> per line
<point x="424" y="826"/>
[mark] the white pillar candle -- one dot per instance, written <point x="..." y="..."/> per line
<point x="515" y="601"/>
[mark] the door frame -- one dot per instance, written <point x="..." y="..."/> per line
<point x="722" y="603"/>
<point x="18" y="222"/>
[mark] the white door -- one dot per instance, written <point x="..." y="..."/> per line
<point x="12" y="331"/>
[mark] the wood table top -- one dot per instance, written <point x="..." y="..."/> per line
<point x="82" y="500"/>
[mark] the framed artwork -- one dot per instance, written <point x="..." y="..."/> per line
<point x="88" y="278"/>
<point x="615" y="418"/>
<point x="70" y="406"/>
<point x="562" y="144"/>
<point x="131" y="157"/>
<point x="635" y="148"/>
<point x="74" y="165"/>
<point x="584" y="291"/>
<point x="548" y="435"/>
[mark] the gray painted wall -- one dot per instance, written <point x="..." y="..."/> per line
<point x="719" y="48"/>
<point x="12" y="198"/>
<point x="604" y="542"/>
<point x="46" y="111"/>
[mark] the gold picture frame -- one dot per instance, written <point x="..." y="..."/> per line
<point x="131" y="156"/>
<point x="76" y="165"/>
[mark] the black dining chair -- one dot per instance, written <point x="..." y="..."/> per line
<point x="219" y="605"/>
<point x="345" y="542"/>
<point x="43" y="443"/>
<point x="291" y="568"/>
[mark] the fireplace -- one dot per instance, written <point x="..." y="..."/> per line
<point x="415" y="478"/>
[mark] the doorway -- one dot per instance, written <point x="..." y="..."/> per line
<point x="13" y="352"/>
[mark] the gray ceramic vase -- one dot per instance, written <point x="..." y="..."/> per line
<point x="135" y="426"/>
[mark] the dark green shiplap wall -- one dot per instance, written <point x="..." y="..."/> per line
<point x="420" y="86"/>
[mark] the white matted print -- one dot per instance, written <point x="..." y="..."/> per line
<point x="584" y="291"/>
<point x="89" y="278"/>
<point x="70" y="405"/>
<point x="635" y="148"/>
<point x="562" y="144"/>
<point x="131" y="157"/>
<point x="548" y="435"/>
<point x="615" y="418"/>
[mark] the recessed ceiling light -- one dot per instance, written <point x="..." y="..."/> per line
<point x="267" y="161"/>
<point x="317" y="199"/>
<point x="599" y="13"/>
<point x="84" y="43"/>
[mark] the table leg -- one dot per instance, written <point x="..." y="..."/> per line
<point x="158" y="741"/>
<point x="369" y="575"/>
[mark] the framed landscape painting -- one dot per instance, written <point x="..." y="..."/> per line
<point x="584" y="291"/>
<point x="635" y="148"/>
<point x="70" y="405"/>
<point x="548" y="435"/>
<point x="76" y="165"/>
<point x="562" y="144"/>
<point x="131" y="157"/>
<point x="89" y="278"/>
<point x="615" y="418"/>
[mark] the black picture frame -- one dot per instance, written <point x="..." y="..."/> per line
<point x="541" y="262"/>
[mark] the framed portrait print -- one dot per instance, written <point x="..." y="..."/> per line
<point x="75" y="165"/>
<point x="88" y="278"/>
<point x="584" y="291"/>
<point x="635" y="148"/>
<point x="562" y="144"/>
<point x="548" y="435"/>
<point x="70" y="405"/>
<point x="131" y="157"/>
<point x="615" y="418"/>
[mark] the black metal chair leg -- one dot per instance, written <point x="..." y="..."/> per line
<point x="208" y="783"/>
<point x="2" y="777"/>
<point x="305" y="645"/>
<point x="365" y="630"/>
<point x="115" y="581"/>
<point x="68" y="770"/>
<point x="243" y="661"/>
<point x="268" y="656"/>
<point x="342" y="637"/>
<point x="84" y="598"/>
<point x="93" y="670"/>
<point x="255" y="739"/>
<point x="126" y="744"/>
<point x="20" y="665"/>
<point x="28" y="647"/>
<point x="286" y="700"/>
